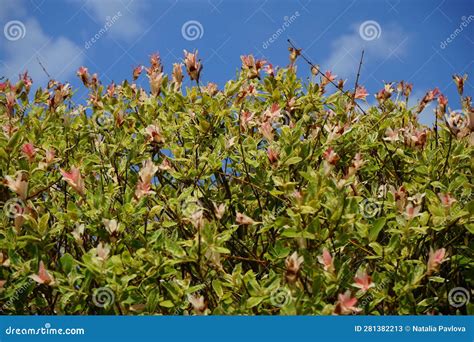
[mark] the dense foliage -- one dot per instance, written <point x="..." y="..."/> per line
<point x="273" y="195"/>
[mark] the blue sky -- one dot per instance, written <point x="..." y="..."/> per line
<point x="404" y="39"/>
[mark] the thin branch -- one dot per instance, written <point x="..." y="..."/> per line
<point x="139" y="117"/>
<point x="356" y="85"/>
<point x="42" y="67"/>
<point x="255" y="192"/>
<point x="307" y="60"/>
<point x="392" y="160"/>
<point x="358" y="71"/>
<point x="253" y="185"/>
<point x="447" y="154"/>
<point x="36" y="193"/>
<point x="263" y="262"/>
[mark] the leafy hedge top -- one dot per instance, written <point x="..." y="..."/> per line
<point x="269" y="196"/>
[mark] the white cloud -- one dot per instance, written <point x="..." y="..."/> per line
<point x="59" y="55"/>
<point x="130" y="24"/>
<point x="10" y="10"/>
<point x="346" y="50"/>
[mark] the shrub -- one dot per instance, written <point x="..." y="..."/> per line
<point x="270" y="196"/>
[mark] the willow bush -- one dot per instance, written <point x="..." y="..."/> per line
<point x="273" y="195"/>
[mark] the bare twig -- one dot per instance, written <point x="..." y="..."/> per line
<point x="358" y="71"/>
<point x="307" y="60"/>
<point x="356" y="85"/>
<point x="42" y="67"/>
<point x="36" y="193"/>
<point x="348" y="94"/>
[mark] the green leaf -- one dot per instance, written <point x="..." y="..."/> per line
<point x="254" y="301"/>
<point x="217" y="286"/>
<point x="67" y="262"/>
<point x="167" y="304"/>
<point x="470" y="227"/>
<point x="376" y="227"/>
<point x="378" y="249"/>
<point x="292" y="160"/>
<point x="14" y="140"/>
<point x="437" y="279"/>
<point x="43" y="224"/>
